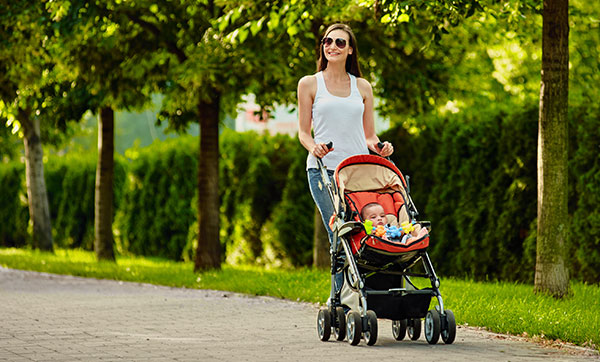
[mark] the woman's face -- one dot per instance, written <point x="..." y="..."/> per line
<point x="335" y="52"/>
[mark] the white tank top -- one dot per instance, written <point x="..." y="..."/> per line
<point x="338" y="120"/>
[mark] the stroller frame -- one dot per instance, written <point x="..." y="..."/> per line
<point x="363" y="323"/>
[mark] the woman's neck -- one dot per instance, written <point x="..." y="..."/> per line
<point x="336" y="71"/>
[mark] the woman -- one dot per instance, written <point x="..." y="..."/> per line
<point x="338" y="104"/>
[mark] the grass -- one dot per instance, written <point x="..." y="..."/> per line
<point x="498" y="306"/>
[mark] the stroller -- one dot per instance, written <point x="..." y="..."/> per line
<point x="376" y="269"/>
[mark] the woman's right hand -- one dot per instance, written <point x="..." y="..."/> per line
<point x="320" y="150"/>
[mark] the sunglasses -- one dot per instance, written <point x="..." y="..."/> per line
<point x="339" y="42"/>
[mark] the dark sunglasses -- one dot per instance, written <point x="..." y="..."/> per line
<point x="339" y="42"/>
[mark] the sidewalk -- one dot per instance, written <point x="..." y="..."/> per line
<point x="46" y="317"/>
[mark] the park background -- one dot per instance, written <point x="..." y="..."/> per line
<point x="459" y="99"/>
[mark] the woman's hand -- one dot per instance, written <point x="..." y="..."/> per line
<point x="320" y="150"/>
<point x="386" y="150"/>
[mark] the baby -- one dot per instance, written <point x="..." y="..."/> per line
<point x="375" y="212"/>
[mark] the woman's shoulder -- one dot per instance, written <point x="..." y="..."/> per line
<point x="364" y="87"/>
<point x="363" y="83"/>
<point x="308" y="80"/>
<point x="308" y="83"/>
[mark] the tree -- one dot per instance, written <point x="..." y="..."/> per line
<point x="551" y="275"/>
<point x="105" y="54"/>
<point x="28" y="90"/>
<point x="550" y="272"/>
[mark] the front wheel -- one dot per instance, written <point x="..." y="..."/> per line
<point x="324" y="324"/>
<point x="340" y="324"/>
<point x="371" y="332"/>
<point x="353" y="327"/>
<point x="449" y="333"/>
<point x="432" y="326"/>
<point x="399" y="329"/>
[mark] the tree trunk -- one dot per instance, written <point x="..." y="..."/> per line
<point x="551" y="275"/>
<point x="208" y="254"/>
<point x="37" y="197"/>
<point x="321" y="257"/>
<point x="103" y="206"/>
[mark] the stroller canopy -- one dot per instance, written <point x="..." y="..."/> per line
<point x="369" y="173"/>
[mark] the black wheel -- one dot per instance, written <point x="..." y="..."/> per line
<point x="399" y="329"/>
<point x="432" y="326"/>
<point x="371" y="332"/>
<point x="324" y="324"/>
<point x="353" y="327"/>
<point x="414" y="328"/>
<point x="340" y="324"/>
<point x="449" y="334"/>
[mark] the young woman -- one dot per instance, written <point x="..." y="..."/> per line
<point x="338" y="104"/>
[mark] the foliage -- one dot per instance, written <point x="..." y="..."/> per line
<point x="157" y="208"/>
<point x="253" y="171"/>
<point x="13" y="206"/>
<point x="499" y="307"/>
<point x="293" y="218"/>
<point x="475" y="179"/>
<point x="70" y="181"/>
<point x="584" y="195"/>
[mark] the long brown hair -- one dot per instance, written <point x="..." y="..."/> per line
<point x="352" y="66"/>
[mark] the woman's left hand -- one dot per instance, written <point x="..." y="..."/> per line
<point x="386" y="150"/>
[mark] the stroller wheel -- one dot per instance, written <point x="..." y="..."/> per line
<point x="324" y="324"/>
<point x="340" y="324"/>
<point x="399" y="329"/>
<point x="414" y="329"/>
<point x="354" y="327"/>
<point x="371" y="332"/>
<point x="432" y="326"/>
<point x="449" y="333"/>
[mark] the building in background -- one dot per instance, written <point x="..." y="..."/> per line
<point x="283" y="119"/>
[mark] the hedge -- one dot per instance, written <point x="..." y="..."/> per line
<point x="473" y="177"/>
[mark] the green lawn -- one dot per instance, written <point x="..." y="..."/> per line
<point x="500" y="307"/>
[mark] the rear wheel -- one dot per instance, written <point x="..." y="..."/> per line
<point x="414" y="328"/>
<point x="324" y="324"/>
<point x="340" y="324"/>
<point x="371" y="332"/>
<point x="399" y="329"/>
<point x="353" y="327"/>
<point x="449" y="333"/>
<point x="432" y="326"/>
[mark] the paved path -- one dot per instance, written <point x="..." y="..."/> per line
<point x="46" y="317"/>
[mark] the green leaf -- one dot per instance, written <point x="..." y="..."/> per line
<point x="292" y="30"/>
<point x="404" y="18"/>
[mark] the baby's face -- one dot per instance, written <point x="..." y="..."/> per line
<point x="376" y="214"/>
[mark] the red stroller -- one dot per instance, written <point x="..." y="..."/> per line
<point x="376" y="268"/>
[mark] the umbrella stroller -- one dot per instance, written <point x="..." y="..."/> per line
<point x="376" y="266"/>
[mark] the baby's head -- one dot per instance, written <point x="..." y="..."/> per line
<point x="375" y="213"/>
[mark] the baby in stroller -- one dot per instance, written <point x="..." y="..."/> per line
<point x="377" y="266"/>
<point x="379" y="220"/>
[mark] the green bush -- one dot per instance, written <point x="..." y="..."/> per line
<point x="476" y="180"/>
<point x="70" y="181"/>
<point x="253" y="178"/>
<point x="473" y="175"/>
<point x="584" y="184"/>
<point x="157" y="208"/>
<point x="13" y="205"/>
